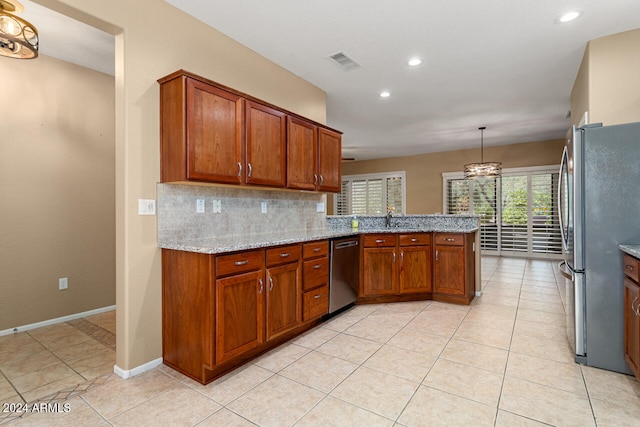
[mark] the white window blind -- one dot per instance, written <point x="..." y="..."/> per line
<point x="518" y="212"/>
<point x="371" y="194"/>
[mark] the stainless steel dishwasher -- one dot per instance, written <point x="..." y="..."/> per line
<point x="344" y="272"/>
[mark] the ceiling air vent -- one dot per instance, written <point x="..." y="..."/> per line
<point x="345" y="61"/>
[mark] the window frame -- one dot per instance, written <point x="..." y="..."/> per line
<point x="372" y="176"/>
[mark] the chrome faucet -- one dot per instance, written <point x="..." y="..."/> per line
<point x="387" y="220"/>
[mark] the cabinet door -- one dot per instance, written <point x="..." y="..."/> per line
<point x="239" y="314"/>
<point x="631" y="326"/>
<point x="214" y="134"/>
<point x="329" y="160"/>
<point x="449" y="270"/>
<point x="302" y="154"/>
<point x="266" y="145"/>
<point x="415" y="269"/>
<point x="283" y="299"/>
<point x="380" y="271"/>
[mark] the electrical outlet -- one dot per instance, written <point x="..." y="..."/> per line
<point x="199" y="205"/>
<point x="63" y="283"/>
<point x="217" y="206"/>
<point x="320" y="207"/>
<point x="146" y="207"/>
<point x="264" y="207"/>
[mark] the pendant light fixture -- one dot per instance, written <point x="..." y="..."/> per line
<point x="18" y="38"/>
<point x="482" y="169"/>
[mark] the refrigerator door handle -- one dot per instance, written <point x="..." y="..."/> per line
<point x="561" y="179"/>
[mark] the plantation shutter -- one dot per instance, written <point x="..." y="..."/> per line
<point x="371" y="194"/>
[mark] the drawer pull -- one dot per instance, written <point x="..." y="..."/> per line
<point x="379" y="240"/>
<point x="414" y="239"/>
<point x="316" y="296"/>
<point x="635" y="310"/>
<point x="449" y="239"/>
<point x="250" y="169"/>
<point x="270" y="284"/>
<point x="284" y="255"/>
<point x="317" y="266"/>
<point x="245" y="262"/>
<point x="629" y="267"/>
<point x="316" y="249"/>
<point x="261" y="286"/>
<point x="436" y="255"/>
<point x="239" y="169"/>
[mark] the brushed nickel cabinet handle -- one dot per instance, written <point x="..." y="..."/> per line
<point x="250" y="169"/>
<point x="629" y="267"/>
<point x="270" y="284"/>
<point x="635" y="310"/>
<point x="317" y="266"/>
<point x="413" y="239"/>
<point x="245" y="262"/>
<point x="261" y="286"/>
<point x="315" y="179"/>
<point x="402" y="256"/>
<point x="321" y="179"/>
<point x="449" y="239"/>
<point x="284" y="255"/>
<point x="436" y="255"/>
<point x="379" y="240"/>
<point x="316" y="249"/>
<point x="316" y="297"/>
<point x="394" y="257"/>
<point x="239" y="169"/>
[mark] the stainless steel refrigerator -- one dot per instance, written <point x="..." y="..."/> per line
<point x="599" y="202"/>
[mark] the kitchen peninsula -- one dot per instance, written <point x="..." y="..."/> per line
<point x="252" y="270"/>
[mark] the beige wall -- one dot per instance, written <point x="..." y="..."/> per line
<point x="607" y="84"/>
<point x="424" y="172"/>
<point x="57" y="190"/>
<point x="149" y="47"/>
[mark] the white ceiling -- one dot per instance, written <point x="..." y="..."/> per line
<point x="504" y="64"/>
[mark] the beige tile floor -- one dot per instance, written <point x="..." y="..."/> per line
<point x="503" y="361"/>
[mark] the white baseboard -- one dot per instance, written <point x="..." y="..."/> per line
<point x="57" y="320"/>
<point x="125" y="374"/>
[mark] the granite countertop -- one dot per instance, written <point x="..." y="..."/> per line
<point x="216" y="245"/>
<point x="633" y="250"/>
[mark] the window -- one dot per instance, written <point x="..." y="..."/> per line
<point x="518" y="213"/>
<point x="371" y="194"/>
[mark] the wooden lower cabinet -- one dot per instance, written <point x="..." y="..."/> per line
<point x="632" y="315"/>
<point x="239" y="314"/>
<point x="380" y="271"/>
<point x="415" y="269"/>
<point x="454" y="267"/>
<point x="315" y="280"/>
<point x="283" y="299"/>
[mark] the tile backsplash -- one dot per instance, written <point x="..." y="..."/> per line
<point x="241" y="211"/>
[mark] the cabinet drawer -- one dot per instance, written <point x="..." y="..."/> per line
<point x="239" y="263"/>
<point x="283" y="255"/>
<point x="449" y="239"/>
<point x="315" y="272"/>
<point x="377" y="240"/>
<point x="631" y="267"/>
<point x="415" y="239"/>
<point x="315" y="249"/>
<point x="315" y="303"/>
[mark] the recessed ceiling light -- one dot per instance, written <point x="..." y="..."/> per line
<point x="385" y="94"/>
<point x="415" y="62"/>
<point x="568" y="17"/>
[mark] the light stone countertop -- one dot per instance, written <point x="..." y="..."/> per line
<point x="222" y="244"/>
<point x="633" y="250"/>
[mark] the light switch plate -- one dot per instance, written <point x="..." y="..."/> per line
<point x="264" y="207"/>
<point x="199" y="205"/>
<point x="146" y="207"/>
<point x="217" y="206"/>
<point x="320" y="207"/>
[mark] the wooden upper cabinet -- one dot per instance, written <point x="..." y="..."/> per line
<point x="201" y="132"/>
<point x="212" y="133"/>
<point x="302" y="154"/>
<point x="330" y="160"/>
<point x="266" y="145"/>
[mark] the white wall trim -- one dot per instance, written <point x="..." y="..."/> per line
<point x="57" y="320"/>
<point x="126" y="374"/>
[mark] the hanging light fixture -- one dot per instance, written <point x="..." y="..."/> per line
<point x="482" y="169"/>
<point x="18" y="38"/>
